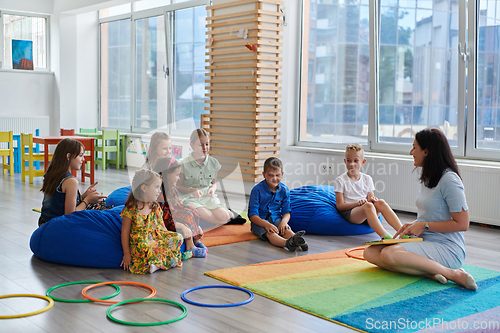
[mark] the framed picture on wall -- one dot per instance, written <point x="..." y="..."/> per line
<point x="22" y="54"/>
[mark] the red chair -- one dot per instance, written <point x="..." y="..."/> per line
<point x="67" y="132"/>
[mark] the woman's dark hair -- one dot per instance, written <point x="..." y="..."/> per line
<point x="59" y="164"/>
<point x="166" y="166"/>
<point x="439" y="156"/>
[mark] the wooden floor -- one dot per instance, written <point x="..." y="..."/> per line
<point x="21" y="272"/>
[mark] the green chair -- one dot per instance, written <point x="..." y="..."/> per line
<point x="107" y="147"/>
<point x="89" y="130"/>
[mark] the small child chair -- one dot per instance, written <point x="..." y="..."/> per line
<point x="88" y="131"/>
<point x="29" y="156"/>
<point x="67" y="132"/>
<point x="106" y="147"/>
<point x="7" y="153"/>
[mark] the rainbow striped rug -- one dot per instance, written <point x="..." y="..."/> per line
<point x="357" y="294"/>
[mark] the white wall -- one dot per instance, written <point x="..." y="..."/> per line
<point x="32" y="6"/>
<point x="69" y="93"/>
<point x="24" y="93"/>
<point x="68" y="71"/>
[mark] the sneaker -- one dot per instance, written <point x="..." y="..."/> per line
<point x="295" y="240"/>
<point x="201" y="245"/>
<point x="186" y="255"/>
<point x="300" y="241"/>
<point x="290" y="245"/>
<point x="199" y="252"/>
<point x="237" y="219"/>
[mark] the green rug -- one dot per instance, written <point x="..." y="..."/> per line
<point x="359" y="295"/>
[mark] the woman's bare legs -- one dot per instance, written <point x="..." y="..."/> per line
<point x="395" y="258"/>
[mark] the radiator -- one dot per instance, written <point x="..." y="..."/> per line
<point x="396" y="180"/>
<point x="25" y="124"/>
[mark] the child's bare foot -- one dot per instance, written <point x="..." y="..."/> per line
<point x="465" y="279"/>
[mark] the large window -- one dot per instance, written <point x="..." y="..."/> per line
<point x="189" y="66"/>
<point x="115" y="74"/>
<point x="153" y="67"/>
<point x="488" y="76"/>
<point x="377" y="72"/>
<point x="23" y="27"/>
<point x="335" y="98"/>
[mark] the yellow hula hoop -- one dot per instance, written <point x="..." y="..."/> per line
<point x="48" y="299"/>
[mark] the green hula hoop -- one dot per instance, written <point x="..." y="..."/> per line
<point x="79" y="300"/>
<point x="182" y="307"/>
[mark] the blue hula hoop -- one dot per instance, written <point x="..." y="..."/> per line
<point x="184" y="298"/>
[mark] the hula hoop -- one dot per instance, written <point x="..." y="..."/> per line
<point x="182" y="307"/>
<point x="79" y="300"/>
<point x="184" y="298"/>
<point x="48" y="299"/>
<point x="348" y="252"/>
<point x="84" y="291"/>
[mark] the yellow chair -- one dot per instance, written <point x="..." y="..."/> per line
<point x="27" y="155"/>
<point x="106" y="147"/>
<point x="7" y="152"/>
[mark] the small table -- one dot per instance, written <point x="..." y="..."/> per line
<point x="88" y="143"/>
<point x="123" y="137"/>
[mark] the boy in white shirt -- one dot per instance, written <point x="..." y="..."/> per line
<point x="354" y="195"/>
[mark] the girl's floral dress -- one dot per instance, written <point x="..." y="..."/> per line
<point x="180" y="213"/>
<point x="150" y="242"/>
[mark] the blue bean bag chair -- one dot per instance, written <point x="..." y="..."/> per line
<point x="314" y="210"/>
<point x="118" y="196"/>
<point x="89" y="238"/>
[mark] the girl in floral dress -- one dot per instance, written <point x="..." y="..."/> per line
<point x="147" y="244"/>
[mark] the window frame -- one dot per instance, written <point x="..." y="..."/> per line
<point x="466" y="120"/>
<point x="166" y="11"/>
<point x="47" y="39"/>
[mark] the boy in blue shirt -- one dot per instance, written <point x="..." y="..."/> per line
<point x="269" y="209"/>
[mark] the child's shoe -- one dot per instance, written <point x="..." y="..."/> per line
<point x="296" y="240"/>
<point x="186" y="255"/>
<point x="201" y="245"/>
<point x="199" y="252"/>
<point x="153" y="268"/>
<point x="387" y="236"/>
<point x="290" y="245"/>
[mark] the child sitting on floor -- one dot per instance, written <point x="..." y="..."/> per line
<point x="269" y="209"/>
<point x="177" y="216"/>
<point x="159" y="146"/>
<point x="354" y="195"/>
<point x="147" y="244"/>
<point x="198" y="177"/>
<point x="60" y="188"/>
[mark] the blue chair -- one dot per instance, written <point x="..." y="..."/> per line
<point x="17" y="153"/>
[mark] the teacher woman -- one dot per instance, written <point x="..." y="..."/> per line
<point x="442" y="218"/>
